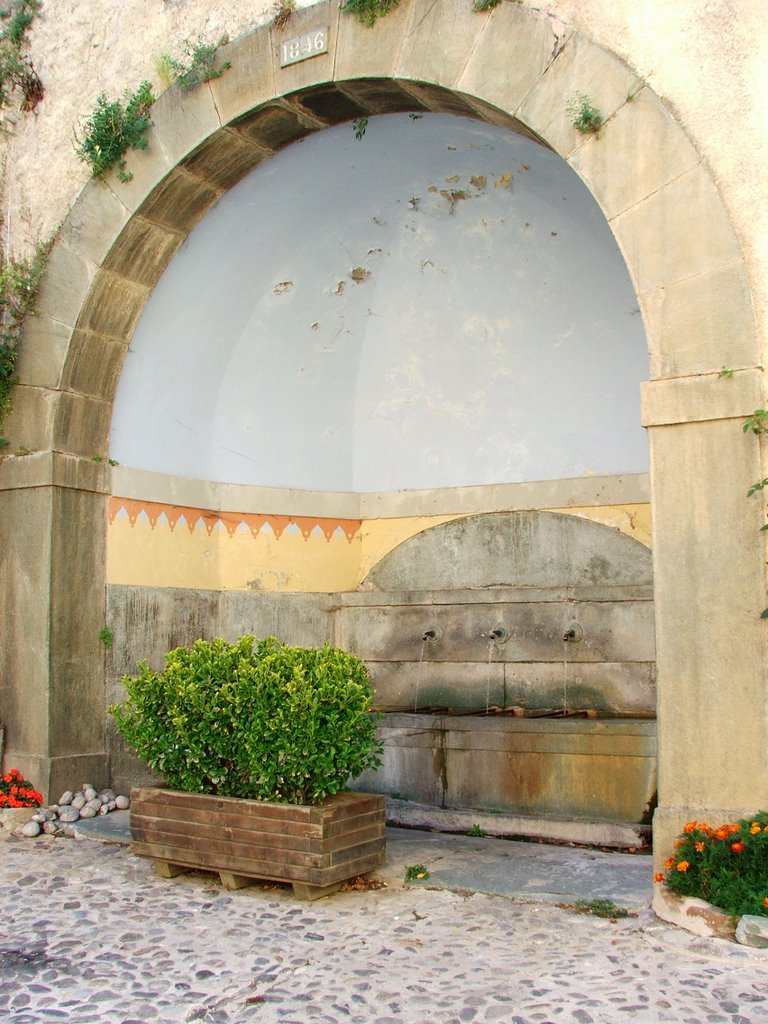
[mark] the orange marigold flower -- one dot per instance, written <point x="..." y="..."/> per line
<point x="699" y="847"/>
<point x="722" y="832"/>
<point x="669" y="862"/>
<point x="733" y="829"/>
<point x="679" y="843"/>
<point x="683" y="865"/>
<point x="689" y="826"/>
<point x="659" y="877"/>
<point x="765" y="901"/>
<point x="754" y="828"/>
<point x="737" y="847"/>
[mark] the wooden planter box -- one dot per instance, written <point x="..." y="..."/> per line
<point x="314" y="848"/>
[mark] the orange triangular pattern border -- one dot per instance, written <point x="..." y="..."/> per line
<point x="231" y="521"/>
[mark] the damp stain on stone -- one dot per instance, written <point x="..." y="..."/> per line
<point x="284" y="286"/>
<point x="453" y="196"/>
<point x="359" y="274"/>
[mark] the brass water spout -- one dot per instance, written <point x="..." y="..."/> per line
<point x="573" y="633"/>
<point x="499" y="634"/>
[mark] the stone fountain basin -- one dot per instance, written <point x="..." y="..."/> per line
<point x="575" y="768"/>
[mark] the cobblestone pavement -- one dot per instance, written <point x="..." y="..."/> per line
<point x="90" y="933"/>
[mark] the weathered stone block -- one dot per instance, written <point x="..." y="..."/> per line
<point x="579" y="68"/>
<point x="142" y="252"/>
<point x="646" y="151"/>
<point x="436" y="42"/>
<point x="701" y="324"/>
<point x="113" y="306"/>
<point x="679" y="231"/>
<point x="752" y="931"/>
<point x="694" y="915"/>
<point x="513" y="51"/>
<point x="94" y="222"/>
<point x="223" y="159"/>
<point x="179" y="202"/>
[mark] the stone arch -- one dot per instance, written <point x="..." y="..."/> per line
<point x="514" y="67"/>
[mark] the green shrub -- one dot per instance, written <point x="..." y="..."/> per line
<point x="585" y="117"/>
<point x="16" y="69"/>
<point x="197" y="66"/>
<point x="368" y="11"/>
<point x="113" y="128"/>
<point x="726" y="866"/>
<point x="254" y="719"/>
<point x="19" y="285"/>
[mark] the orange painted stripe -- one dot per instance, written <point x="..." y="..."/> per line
<point x="133" y="507"/>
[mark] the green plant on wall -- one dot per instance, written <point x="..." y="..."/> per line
<point x="113" y="128"/>
<point x="19" y="285"/>
<point x="585" y="117"/>
<point x="285" y="8"/>
<point x="368" y="11"/>
<point x="198" y="64"/>
<point x="757" y="424"/>
<point x="484" y="5"/>
<point x="16" y="69"/>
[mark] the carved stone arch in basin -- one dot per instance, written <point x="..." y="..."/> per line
<point x="514" y="549"/>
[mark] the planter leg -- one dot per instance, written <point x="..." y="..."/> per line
<point x="165" y="869"/>
<point x="302" y="891"/>
<point x="232" y="881"/>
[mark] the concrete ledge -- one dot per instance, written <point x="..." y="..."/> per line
<point x="564" y="830"/>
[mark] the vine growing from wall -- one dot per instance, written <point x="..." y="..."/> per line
<point x="756" y="424"/>
<point x="19" y="286"/>
<point x="198" y="64"/>
<point x="17" y="72"/>
<point x="368" y="11"/>
<point x="114" y="127"/>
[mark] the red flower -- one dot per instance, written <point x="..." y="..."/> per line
<point x="737" y="847"/>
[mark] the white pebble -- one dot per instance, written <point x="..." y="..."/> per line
<point x="122" y="802"/>
<point x="66" y="798"/>
<point x="87" y="812"/>
<point x="89" y="794"/>
<point x="79" y="801"/>
<point x="30" y="829"/>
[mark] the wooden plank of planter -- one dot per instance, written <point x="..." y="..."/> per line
<point x="151" y="826"/>
<point x="334" y="828"/>
<point x="198" y="860"/>
<point x="237" y="838"/>
<point x="232" y="813"/>
<point x="314" y="892"/>
<point x="223" y="848"/>
<point x="172" y="800"/>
